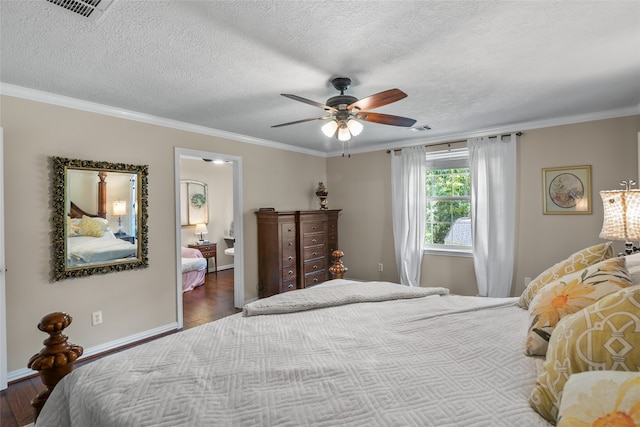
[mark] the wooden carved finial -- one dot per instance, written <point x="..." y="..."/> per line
<point x="56" y="358"/>
<point x="337" y="269"/>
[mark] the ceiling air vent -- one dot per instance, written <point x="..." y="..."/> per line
<point x="92" y="9"/>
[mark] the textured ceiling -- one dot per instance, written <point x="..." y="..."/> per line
<point x="467" y="66"/>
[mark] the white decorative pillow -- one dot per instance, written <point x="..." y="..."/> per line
<point x="576" y="262"/>
<point x="93" y="227"/>
<point x="633" y="266"/>
<point x="610" y="398"/>
<point x="570" y="294"/>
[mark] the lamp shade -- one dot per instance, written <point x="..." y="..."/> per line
<point x="201" y="229"/>
<point x="344" y="134"/>
<point x="329" y="129"/>
<point x="355" y="127"/>
<point x="119" y="208"/>
<point x="621" y="215"/>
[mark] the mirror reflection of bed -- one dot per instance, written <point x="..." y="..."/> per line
<point x="90" y="241"/>
<point x="99" y="237"/>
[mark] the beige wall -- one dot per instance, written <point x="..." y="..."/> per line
<point x="132" y="302"/>
<point x="361" y="187"/>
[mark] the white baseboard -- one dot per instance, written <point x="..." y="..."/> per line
<point x="26" y="372"/>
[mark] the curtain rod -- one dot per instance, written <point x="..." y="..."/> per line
<point x="454" y="142"/>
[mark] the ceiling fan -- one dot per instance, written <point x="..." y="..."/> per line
<point x="344" y="111"/>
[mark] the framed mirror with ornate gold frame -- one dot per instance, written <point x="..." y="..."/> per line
<point x="99" y="217"/>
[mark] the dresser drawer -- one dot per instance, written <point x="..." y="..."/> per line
<point x="314" y="252"/>
<point x="288" y="251"/>
<point x="313" y="240"/>
<point x="289" y="273"/>
<point x="315" y="278"/>
<point x="288" y="230"/>
<point x="289" y="261"/>
<point x="315" y="266"/>
<point x="313" y="227"/>
<point x="208" y="251"/>
<point x="288" y="285"/>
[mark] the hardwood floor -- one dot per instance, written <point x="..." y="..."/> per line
<point x="212" y="301"/>
<point x="204" y="304"/>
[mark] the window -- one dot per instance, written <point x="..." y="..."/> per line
<point x="448" y="210"/>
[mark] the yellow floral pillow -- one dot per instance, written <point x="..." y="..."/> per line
<point x="94" y="227"/>
<point x="570" y="294"/>
<point x="601" y="398"/>
<point x="576" y="262"/>
<point x="602" y="336"/>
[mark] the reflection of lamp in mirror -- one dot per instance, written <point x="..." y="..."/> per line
<point x="201" y="229"/>
<point x="622" y="215"/>
<point x="119" y="209"/>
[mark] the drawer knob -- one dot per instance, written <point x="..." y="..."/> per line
<point x="315" y="267"/>
<point x="290" y="244"/>
<point x="313" y="241"/>
<point x="290" y="286"/>
<point x="290" y="258"/>
<point x="315" y="253"/>
<point x="290" y="272"/>
<point x="288" y="229"/>
<point x="313" y="228"/>
<point x="315" y="279"/>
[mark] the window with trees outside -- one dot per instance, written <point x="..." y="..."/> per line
<point x="448" y="210"/>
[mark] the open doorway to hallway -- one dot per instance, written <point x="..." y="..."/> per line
<point x="209" y="219"/>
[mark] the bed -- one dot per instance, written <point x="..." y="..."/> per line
<point x="194" y="268"/>
<point x="353" y="353"/>
<point x="369" y="353"/>
<point x="82" y="250"/>
<point x="90" y="241"/>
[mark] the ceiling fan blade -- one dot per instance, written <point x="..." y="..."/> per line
<point x="301" y="121"/>
<point x="308" y="101"/>
<point x="385" y="119"/>
<point x="378" y="100"/>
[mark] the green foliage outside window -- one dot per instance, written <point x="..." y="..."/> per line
<point x="448" y="200"/>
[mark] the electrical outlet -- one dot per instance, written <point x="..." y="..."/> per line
<point x="380" y="266"/>
<point x="96" y="318"/>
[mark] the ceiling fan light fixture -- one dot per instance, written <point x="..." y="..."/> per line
<point x="344" y="134"/>
<point x="355" y="127"/>
<point x="329" y="129"/>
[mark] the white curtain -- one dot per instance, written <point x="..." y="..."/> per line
<point x="492" y="163"/>
<point x="408" y="211"/>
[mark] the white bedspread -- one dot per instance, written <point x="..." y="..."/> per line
<point x="193" y="264"/>
<point x="433" y="361"/>
<point x="83" y="249"/>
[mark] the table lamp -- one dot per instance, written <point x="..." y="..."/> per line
<point x="119" y="209"/>
<point x="622" y="215"/>
<point x="201" y="229"/>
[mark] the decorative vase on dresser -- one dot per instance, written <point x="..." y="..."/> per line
<point x="294" y="248"/>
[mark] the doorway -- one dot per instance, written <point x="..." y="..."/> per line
<point x="235" y="225"/>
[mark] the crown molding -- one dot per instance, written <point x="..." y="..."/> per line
<point x="509" y="128"/>
<point x="78" y="104"/>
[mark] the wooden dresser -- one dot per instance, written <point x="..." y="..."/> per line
<point x="294" y="248"/>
